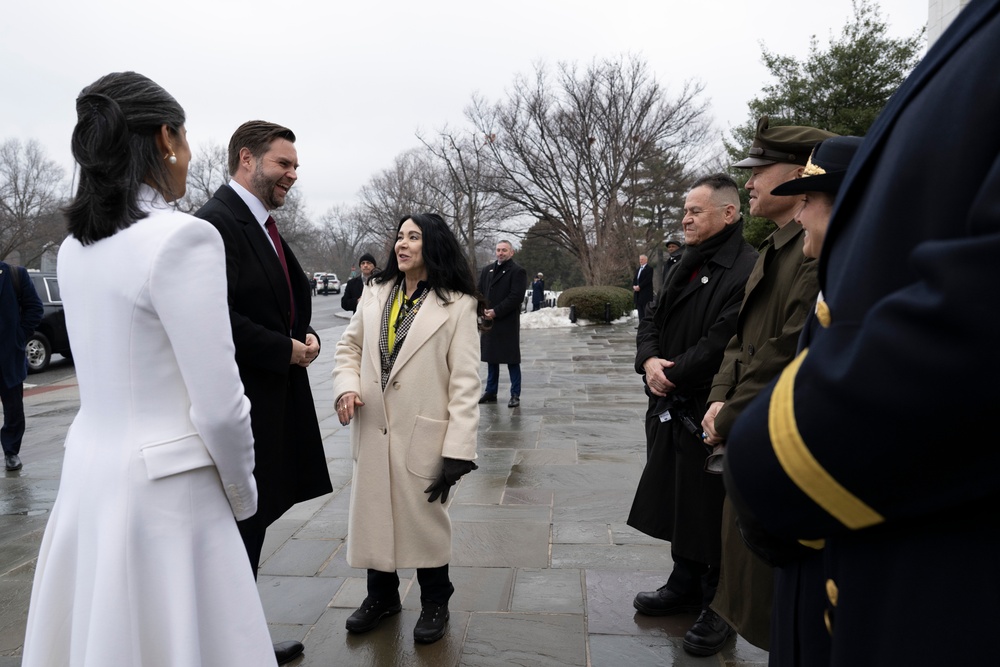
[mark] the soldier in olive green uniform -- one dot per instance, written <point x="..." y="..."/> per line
<point x="781" y="291"/>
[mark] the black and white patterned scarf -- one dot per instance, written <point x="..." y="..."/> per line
<point x="402" y="324"/>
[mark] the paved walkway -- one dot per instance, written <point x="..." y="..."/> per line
<point x="543" y="564"/>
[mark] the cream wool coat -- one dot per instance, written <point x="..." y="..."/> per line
<point x="429" y="410"/>
<point x="141" y="563"/>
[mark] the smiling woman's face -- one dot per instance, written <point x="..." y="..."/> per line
<point x="814" y="216"/>
<point x="409" y="250"/>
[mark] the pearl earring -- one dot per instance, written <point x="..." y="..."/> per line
<point x="172" y="159"/>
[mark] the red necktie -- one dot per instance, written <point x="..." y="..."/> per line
<point x="272" y="231"/>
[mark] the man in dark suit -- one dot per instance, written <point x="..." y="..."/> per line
<point x="20" y="312"/>
<point x="270" y="308"/>
<point x="877" y="438"/>
<point x="503" y="285"/>
<point x="642" y="285"/>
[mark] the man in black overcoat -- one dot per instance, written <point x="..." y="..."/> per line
<point x="880" y="437"/>
<point x="20" y="313"/>
<point x="356" y="285"/>
<point x="679" y="348"/>
<point x="642" y="286"/>
<point x="503" y="285"/>
<point x="270" y="308"/>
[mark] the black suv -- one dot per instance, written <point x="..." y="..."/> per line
<point x="50" y="337"/>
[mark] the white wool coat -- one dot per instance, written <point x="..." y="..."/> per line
<point x="429" y="410"/>
<point x="141" y="563"/>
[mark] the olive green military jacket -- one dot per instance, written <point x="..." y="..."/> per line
<point x="781" y="291"/>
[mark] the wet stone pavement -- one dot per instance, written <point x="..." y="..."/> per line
<point x="543" y="564"/>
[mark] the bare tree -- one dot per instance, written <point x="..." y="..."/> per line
<point x="343" y="236"/>
<point x="208" y="171"/>
<point x="31" y="191"/>
<point x="400" y="190"/>
<point x="567" y="153"/>
<point x="474" y="208"/>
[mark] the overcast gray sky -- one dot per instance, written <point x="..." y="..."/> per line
<point x="355" y="81"/>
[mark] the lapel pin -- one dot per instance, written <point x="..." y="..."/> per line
<point x="704" y="280"/>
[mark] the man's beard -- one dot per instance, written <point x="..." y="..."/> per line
<point x="263" y="187"/>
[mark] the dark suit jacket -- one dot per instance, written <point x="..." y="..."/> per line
<point x="644" y="280"/>
<point x="503" y="288"/>
<point x="290" y="462"/>
<point x="352" y="292"/>
<point x="17" y="323"/>
<point x="881" y="437"/>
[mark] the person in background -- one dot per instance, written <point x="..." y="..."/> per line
<point x="354" y="286"/>
<point x="537" y="292"/>
<point x="502" y="284"/>
<point x="674" y="250"/>
<point x="407" y="374"/>
<point x="141" y="562"/>
<point x="642" y="286"/>
<point x="20" y="313"/>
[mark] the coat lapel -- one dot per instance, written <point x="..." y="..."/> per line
<point x="372" y="313"/>
<point x="261" y="245"/>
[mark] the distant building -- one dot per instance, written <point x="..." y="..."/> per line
<point x="940" y="13"/>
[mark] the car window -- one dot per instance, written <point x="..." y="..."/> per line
<point x="53" y="286"/>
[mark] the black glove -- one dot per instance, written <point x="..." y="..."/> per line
<point x="451" y="471"/>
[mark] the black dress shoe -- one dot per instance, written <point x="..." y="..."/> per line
<point x="514" y="402"/>
<point x="430" y="626"/>
<point x="488" y="398"/>
<point x="370" y="614"/>
<point x="13" y="461"/>
<point x="664" y="602"/>
<point x="708" y="634"/>
<point x="288" y="651"/>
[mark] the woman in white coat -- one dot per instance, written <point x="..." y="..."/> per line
<point x="141" y="563"/>
<point x="407" y="372"/>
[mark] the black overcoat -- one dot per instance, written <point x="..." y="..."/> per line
<point x="676" y="499"/>
<point x="880" y="437"/>
<point x="290" y="463"/>
<point x="503" y="287"/>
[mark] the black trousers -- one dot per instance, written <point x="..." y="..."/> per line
<point x="691" y="578"/>
<point x="435" y="585"/>
<point x="13" y="418"/>
<point x="252" y="531"/>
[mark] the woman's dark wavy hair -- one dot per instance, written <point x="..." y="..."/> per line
<point x="114" y="142"/>
<point x="447" y="267"/>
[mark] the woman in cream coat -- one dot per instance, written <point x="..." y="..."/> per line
<point x="141" y="563"/>
<point x="407" y="372"/>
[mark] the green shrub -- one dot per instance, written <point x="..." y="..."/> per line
<point x="589" y="301"/>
